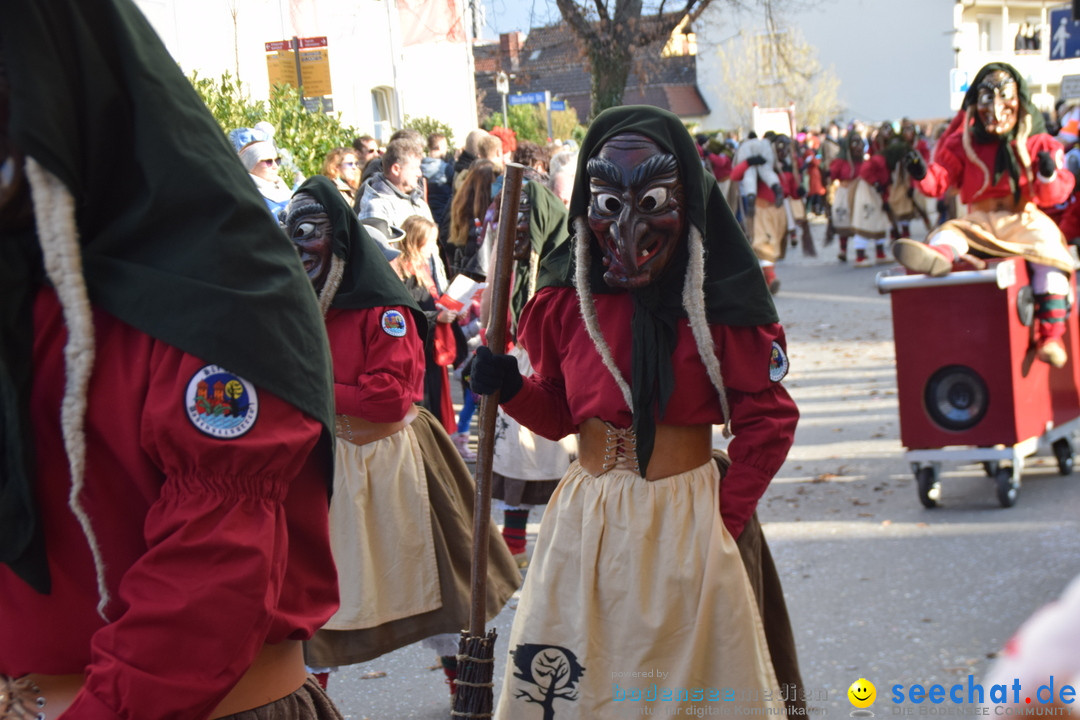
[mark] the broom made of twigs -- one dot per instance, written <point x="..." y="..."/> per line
<point x="476" y="651"/>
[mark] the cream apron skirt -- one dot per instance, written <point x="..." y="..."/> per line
<point x="1029" y="234"/>
<point x="401" y="533"/>
<point x="841" y="208"/>
<point x="770" y="229"/>
<point x="636" y="596"/>
<point x="868" y="217"/>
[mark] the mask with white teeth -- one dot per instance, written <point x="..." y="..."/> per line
<point x="636" y="210"/>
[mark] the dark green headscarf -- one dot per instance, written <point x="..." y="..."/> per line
<point x="1006" y="160"/>
<point x="369" y="281"/>
<point x="547" y="231"/>
<point x="734" y="287"/>
<point x="176" y="240"/>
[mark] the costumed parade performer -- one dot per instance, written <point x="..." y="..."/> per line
<point x="166" y="392"/>
<point x="401" y="517"/>
<point x="844" y="173"/>
<point x="647" y="329"/>
<point x="769" y="220"/>
<point x="870" y="209"/>
<point x="998" y="155"/>
<point x="526" y="467"/>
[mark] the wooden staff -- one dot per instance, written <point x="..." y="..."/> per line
<point x="489" y="404"/>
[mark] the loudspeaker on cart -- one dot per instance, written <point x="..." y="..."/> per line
<point x="969" y="387"/>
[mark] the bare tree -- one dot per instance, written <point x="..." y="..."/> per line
<point x="608" y="31"/>
<point x="773" y="69"/>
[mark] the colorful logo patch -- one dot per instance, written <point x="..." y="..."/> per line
<point x="221" y="404"/>
<point x="778" y="363"/>
<point x="393" y="323"/>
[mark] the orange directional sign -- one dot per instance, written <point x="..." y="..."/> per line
<point x="314" y="65"/>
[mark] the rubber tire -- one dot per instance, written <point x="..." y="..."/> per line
<point x="926" y="482"/>
<point x="990" y="467"/>
<point x="1063" y="451"/>
<point x="1006" y="489"/>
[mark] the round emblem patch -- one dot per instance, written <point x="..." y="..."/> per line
<point x="393" y="323"/>
<point x="778" y="363"/>
<point x="221" y="404"/>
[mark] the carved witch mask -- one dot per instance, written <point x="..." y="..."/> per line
<point x="636" y="210"/>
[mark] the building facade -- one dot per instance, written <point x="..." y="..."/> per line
<point x="1017" y="32"/>
<point x="389" y="59"/>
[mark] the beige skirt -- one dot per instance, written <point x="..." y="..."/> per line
<point x="770" y="228"/>
<point x="841" y="208"/>
<point x="868" y="217"/>
<point x="405" y="582"/>
<point x="1029" y="234"/>
<point x="636" y="596"/>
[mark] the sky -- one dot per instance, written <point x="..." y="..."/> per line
<point x="892" y="57"/>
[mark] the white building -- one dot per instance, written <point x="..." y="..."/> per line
<point x="987" y="31"/>
<point x="388" y="58"/>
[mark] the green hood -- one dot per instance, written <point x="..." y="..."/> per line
<point x="176" y="241"/>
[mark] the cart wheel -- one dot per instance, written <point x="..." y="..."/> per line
<point x="929" y="488"/>
<point x="1063" y="451"/>
<point x="990" y="467"/>
<point x="1007" y="488"/>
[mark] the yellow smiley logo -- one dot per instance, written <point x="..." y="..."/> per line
<point x="862" y="693"/>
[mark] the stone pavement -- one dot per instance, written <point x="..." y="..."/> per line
<point x="877" y="586"/>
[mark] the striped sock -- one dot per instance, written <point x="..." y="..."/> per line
<point x="1051" y="311"/>
<point x="514" y="522"/>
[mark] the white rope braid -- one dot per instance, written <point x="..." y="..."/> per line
<point x="694" y="304"/>
<point x="582" y="239"/>
<point x="54" y="211"/>
<point x="333" y="282"/>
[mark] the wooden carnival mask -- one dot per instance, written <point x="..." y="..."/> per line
<point x="637" y="208"/>
<point x="308" y="226"/>
<point x="998" y="102"/>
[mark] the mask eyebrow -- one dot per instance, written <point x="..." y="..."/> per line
<point x="656" y="166"/>
<point x="605" y="170"/>
<point x="306" y="209"/>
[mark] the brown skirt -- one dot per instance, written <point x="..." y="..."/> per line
<point x="515" y="492"/>
<point x="452" y="492"/>
<point x="309" y="702"/>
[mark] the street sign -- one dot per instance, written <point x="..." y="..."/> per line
<point x="1064" y="34"/>
<point x="314" y="65"/>
<point x="558" y="104"/>
<point x="1070" y="87"/>
<point x="531" y="98"/>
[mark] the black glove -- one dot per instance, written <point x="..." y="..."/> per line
<point x="1046" y="164"/>
<point x="801" y="192"/>
<point x="491" y="373"/>
<point x="915" y="166"/>
<point x="779" y="193"/>
<point x="755" y="160"/>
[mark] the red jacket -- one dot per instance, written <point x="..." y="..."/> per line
<point x="571" y="384"/>
<point x="213" y="545"/>
<point x="952" y="168"/>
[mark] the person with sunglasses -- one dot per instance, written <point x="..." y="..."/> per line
<point x="260" y="158"/>
<point x="343" y="168"/>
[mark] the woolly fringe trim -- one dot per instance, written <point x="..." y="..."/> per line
<point x="333" y="282"/>
<point x="54" y="211"/>
<point x="693" y="302"/>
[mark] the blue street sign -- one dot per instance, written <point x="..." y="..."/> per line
<point x="1064" y="34"/>
<point x="532" y="98"/>
<point x="558" y="104"/>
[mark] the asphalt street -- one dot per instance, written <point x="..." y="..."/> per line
<point x="878" y="587"/>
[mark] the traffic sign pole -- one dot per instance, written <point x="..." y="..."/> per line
<point x="547" y="106"/>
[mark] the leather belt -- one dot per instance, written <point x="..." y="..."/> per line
<point x="359" y="431"/>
